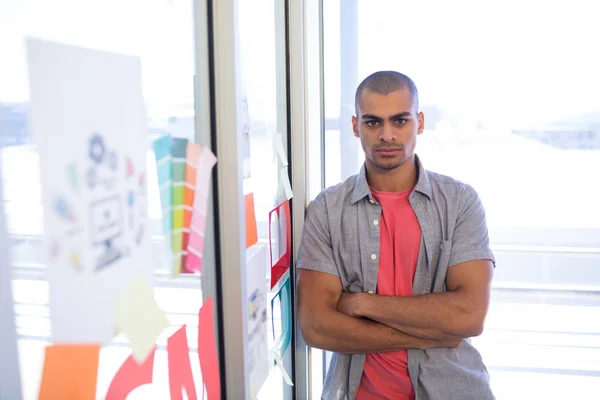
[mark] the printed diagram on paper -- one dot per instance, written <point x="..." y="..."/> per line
<point x="113" y="214"/>
<point x="117" y="217"/>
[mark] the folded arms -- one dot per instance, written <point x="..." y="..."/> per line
<point x="343" y="322"/>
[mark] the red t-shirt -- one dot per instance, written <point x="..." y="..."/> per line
<point x="385" y="375"/>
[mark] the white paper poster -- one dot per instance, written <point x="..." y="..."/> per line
<point x="89" y="122"/>
<point x="256" y="271"/>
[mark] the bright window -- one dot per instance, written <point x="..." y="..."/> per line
<point x="509" y="91"/>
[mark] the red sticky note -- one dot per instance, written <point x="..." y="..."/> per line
<point x="251" y="230"/>
<point x="70" y="372"/>
<point x="180" y="369"/>
<point x="281" y="241"/>
<point x="130" y="376"/>
<point x="207" y="351"/>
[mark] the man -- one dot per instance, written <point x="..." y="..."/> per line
<point x="395" y="267"/>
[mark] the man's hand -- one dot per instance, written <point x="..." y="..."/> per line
<point x="349" y="304"/>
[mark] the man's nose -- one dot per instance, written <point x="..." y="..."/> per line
<point x="387" y="133"/>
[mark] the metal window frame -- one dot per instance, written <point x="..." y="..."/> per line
<point x="297" y="145"/>
<point x="231" y="254"/>
<point x="305" y="52"/>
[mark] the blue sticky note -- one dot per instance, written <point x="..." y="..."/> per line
<point x="284" y="297"/>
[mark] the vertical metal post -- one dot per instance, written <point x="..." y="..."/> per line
<point x="231" y="220"/>
<point x="298" y="146"/>
<point x="204" y="135"/>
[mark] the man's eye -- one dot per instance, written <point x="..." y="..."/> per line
<point x="371" y="123"/>
<point x="400" y="121"/>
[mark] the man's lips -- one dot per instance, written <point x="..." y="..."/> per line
<point x="389" y="150"/>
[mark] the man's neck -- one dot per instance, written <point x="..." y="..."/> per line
<point x="398" y="179"/>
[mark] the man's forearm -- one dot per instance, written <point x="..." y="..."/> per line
<point x="341" y="333"/>
<point x="445" y="315"/>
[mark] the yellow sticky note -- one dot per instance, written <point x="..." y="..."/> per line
<point x="139" y="317"/>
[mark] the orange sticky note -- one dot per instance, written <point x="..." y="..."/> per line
<point x="70" y="372"/>
<point x="251" y="230"/>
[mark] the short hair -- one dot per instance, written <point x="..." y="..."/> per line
<point x="385" y="82"/>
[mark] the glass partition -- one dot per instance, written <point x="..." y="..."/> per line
<point x="264" y="72"/>
<point x="161" y="33"/>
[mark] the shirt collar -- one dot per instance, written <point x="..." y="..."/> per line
<point x="361" y="186"/>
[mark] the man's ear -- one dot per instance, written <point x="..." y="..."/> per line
<point x="355" y="126"/>
<point x="421" y="118"/>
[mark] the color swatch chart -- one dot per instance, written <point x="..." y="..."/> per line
<point x="184" y="170"/>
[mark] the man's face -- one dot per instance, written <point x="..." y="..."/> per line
<point x="387" y="126"/>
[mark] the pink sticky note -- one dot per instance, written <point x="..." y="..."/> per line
<point x="195" y="241"/>
<point x="207" y="351"/>
<point x="130" y="376"/>
<point x="180" y="369"/>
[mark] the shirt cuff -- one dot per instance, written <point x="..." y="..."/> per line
<point x="318" y="266"/>
<point x="472" y="255"/>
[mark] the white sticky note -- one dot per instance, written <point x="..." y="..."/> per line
<point x="285" y="181"/>
<point x="278" y="139"/>
<point x="258" y="364"/>
<point x="139" y="317"/>
<point x="286" y="376"/>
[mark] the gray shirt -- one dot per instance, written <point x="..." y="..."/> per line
<point x="341" y="238"/>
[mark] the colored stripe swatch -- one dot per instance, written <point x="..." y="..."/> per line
<point x="162" y="153"/>
<point x="178" y="153"/>
<point x="184" y="171"/>
<point x="195" y="247"/>
<point x="192" y="156"/>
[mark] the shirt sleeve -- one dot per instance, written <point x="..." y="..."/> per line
<point x="470" y="240"/>
<point x="315" y="251"/>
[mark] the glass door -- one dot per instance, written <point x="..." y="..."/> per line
<point x="255" y="220"/>
<point x="266" y="180"/>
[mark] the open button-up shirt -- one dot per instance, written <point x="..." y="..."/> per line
<point x="340" y="238"/>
